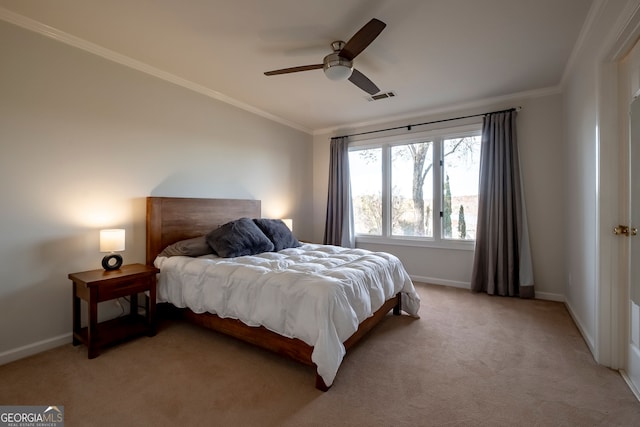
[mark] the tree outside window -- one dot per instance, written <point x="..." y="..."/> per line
<point x="461" y="169"/>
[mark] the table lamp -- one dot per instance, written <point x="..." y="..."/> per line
<point x="111" y="241"/>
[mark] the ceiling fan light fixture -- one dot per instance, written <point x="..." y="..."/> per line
<point x="338" y="72"/>
<point x="337" y="68"/>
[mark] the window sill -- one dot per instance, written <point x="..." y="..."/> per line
<point x="419" y="243"/>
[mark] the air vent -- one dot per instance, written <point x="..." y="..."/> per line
<point x="379" y="96"/>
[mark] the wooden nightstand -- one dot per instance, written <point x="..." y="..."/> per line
<point x="99" y="285"/>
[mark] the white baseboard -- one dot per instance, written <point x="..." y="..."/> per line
<point x="35" y="348"/>
<point x="442" y="282"/>
<point x="588" y="339"/>
<point x="548" y="296"/>
<point x="631" y="375"/>
<point x="630" y="384"/>
<point x="466" y="285"/>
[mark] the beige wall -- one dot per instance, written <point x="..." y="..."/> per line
<point x="83" y="142"/>
<point x="540" y="133"/>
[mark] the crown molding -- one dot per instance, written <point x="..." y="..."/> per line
<point x="594" y="11"/>
<point x="77" y="42"/>
<point x="627" y="29"/>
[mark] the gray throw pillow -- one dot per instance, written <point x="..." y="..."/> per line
<point x="194" y="247"/>
<point x="238" y="238"/>
<point x="278" y="232"/>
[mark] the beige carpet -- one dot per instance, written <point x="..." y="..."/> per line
<point x="471" y="360"/>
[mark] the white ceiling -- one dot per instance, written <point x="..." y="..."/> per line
<point x="433" y="54"/>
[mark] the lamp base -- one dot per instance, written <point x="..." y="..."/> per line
<point x="112" y="262"/>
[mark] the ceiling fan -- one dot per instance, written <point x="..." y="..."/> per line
<point x="339" y="64"/>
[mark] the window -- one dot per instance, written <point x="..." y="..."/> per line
<point x="411" y="189"/>
<point x="366" y="165"/>
<point x="417" y="190"/>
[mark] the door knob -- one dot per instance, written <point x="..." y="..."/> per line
<point x="625" y="230"/>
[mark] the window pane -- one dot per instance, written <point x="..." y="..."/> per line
<point x="365" y="168"/>
<point x="461" y="170"/>
<point x="412" y="189"/>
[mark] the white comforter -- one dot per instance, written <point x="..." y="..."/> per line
<point x="316" y="293"/>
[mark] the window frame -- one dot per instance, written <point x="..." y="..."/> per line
<point x="437" y="136"/>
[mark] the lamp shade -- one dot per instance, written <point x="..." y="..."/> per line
<point x="112" y="240"/>
<point x="288" y="222"/>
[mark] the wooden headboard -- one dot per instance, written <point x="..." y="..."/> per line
<point x="170" y="219"/>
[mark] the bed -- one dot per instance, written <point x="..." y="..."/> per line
<point x="171" y="220"/>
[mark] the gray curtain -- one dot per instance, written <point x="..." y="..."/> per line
<point x="339" y="220"/>
<point x="502" y="263"/>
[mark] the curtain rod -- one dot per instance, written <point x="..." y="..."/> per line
<point x="408" y="127"/>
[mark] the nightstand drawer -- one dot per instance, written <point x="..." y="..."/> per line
<point x="124" y="289"/>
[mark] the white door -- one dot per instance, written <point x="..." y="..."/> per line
<point x="634" y="245"/>
<point x="630" y="179"/>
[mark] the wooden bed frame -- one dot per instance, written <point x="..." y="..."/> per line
<point x="170" y="219"/>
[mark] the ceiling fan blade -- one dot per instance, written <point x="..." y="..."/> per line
<point x="362" y="39"/>
<point x="360" y="80"/>
<point x="294" y="69"/>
